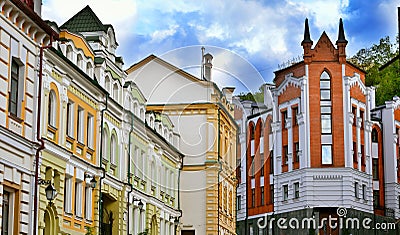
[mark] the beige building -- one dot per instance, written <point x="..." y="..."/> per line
<point x="203" y="117"/>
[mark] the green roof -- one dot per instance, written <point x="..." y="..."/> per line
<point x="85" y="21"/>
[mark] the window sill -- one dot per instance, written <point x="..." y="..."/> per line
<point x="15" y="118"/>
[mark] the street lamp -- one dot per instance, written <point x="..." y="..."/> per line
<point x="140" y="204"/>
<point x="92" y="182"/>
<point x="51" y="193"/>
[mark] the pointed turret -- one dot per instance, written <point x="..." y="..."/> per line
<point x="307" y="43"/>
<point x="341" y="43"/>
<point x="341" y="37"/>
<point x="307" y="38"/>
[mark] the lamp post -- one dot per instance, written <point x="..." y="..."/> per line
<point x="92" y="182"/>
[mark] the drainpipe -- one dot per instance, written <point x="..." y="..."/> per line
<point x="101" y="165"/>
<point x="38" y="137"/>
<point x="129" y="172"/>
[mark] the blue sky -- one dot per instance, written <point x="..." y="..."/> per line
<point x="247" y="38"/>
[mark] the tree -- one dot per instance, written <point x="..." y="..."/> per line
<point x="371" y="59"/>
<point x="257" y="96"/>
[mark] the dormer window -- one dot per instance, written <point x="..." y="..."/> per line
<point x="80" y="61"/>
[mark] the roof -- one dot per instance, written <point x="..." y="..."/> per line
<point x="85" y="21"/>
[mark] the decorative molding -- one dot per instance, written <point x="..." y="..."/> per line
<point x="327" y="177"/>
<point x="290" y="81"/>
<point x="82" y="96"/>
<point x="356" y="81"/>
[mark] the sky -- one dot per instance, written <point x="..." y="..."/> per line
<point x="247" y="38"/>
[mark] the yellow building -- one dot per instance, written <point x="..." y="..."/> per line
<point x="202" y="115"/>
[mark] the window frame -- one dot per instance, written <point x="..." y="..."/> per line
<point x="285" y="190"/>
<point x="325" y="79"/>
<point x="296" y="189"/>
<point x="322" y="154"/>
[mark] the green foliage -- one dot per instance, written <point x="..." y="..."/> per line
<point x="258" y="96"/>
<point x="371" y="59"/>
<point x="89" y="230"/>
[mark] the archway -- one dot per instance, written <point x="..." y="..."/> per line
<point x="47" y="223"/>
<point x="154" y="226"/>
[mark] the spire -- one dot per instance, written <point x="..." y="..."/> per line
<point x="341" y="37"/>
<point x="307" y="38"/>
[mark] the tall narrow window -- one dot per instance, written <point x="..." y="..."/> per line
<point x="115" y="92"/>
<point x="78" y="198"/>
<point x="326" y="120"/>
<point x="364" y="192"/>
<point x="88" y="203"/>
<point x="80" y="61"/>
<point x="296" y="152"/>
<point x="286" y="154"/>
<point x="14" y="89"/>
<point x="6" y="221"/>
<point x="271" y="194"/>
<point x="356" y="190"/>
<point x="80" y="124"/>
<point x="296" y="187"/>
<point x="362" y="155"/>
<point x="271" y="161"/>
<point x="354" y="112"/>
<point x="355" y="157"/>
<point x="238" y="202"/>
<point x="285" y="192"/>
<point x="262" y="164"/>
<point x="295" y="111"/>
<point x="362" y="118"/>
<point x="252" y="167"/>
<point x="284" y="117"/>
<point x="325" y="86"/>
<point x="105" y="144"/>
<point x="70" y="53"/>
<point x="68" y="194"/>
<point x="51" y="109"/>
<point x="374" y="136"/>
<point x="70" y="118"/>
<point x="262" y="195"/>
<point x="376" y="198"/>
<point x="107" y="84"/>
<point x="375" y="169"/>
<point x="326" y="150"/>
<point x="113" y="149"/>
<point x="90" y="130"/>
<point x="253" y="197"/>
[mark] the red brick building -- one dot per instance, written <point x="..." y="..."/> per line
<point x="320" y="147"/>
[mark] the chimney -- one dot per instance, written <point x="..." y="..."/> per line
<point x="228" y="93"/>
<point x="307" y="43"/>
<point x="341" y="43"/>
<point x="207" y="66"/>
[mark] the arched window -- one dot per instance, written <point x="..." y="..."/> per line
<point x="374" y="135"/>
<point x="151" y="121"/>
<point x="113" y="149"/>
<point x="80" y="61"/>
<point x="325" y="86"/>
<point x="115" y="92"/>
<point x="107" y="84"/>
<point x="51" y="118"/>
<point x="89" y="69"/>
<point x="105" y="144"/>
<point x="70" y="52"/>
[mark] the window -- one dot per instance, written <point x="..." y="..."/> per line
<point x="286" y="154"/>
<point x="51" y="109"/>
<point x="375" y="169"/>
<point x="69" y="52"/>
<point x="362" y="118"/>
<point x="296" y="187"/>
<point x="354" y="112"/>
<point x="7" y="216"/>
<point x="253" y="197"/>
<point x="376" y="198"/>
<point x="296" y="152"/>
<point x="356" y="190"/>
<point x="107" y="84"/>
<point x="252" y="132"/>
<point x="78" y="198"/>
<point x="80" y="61"/>
<point x="113" y="149"/>
<point x="68" y="194"/>
<point x="271" y="193"/>
<point x="262" y="195"/>
<point x="295" y="111"/>
<point x="284" y="117"/>
<point x="238" y="202"/>
<point x="374" y="136"/>
<point x="271" y="161"/>
<point x="364" y="191"/>
<point x="115" y="92"/>
<point x="355" y="157"/>
<point x="90" y="130"/>
<point x="80" y="124"/>
<point x="362" y="155"/>
<point x="252" y="167"/>
<point x="326" y="120"/>
<point x="262" y="164"/>
<point x="325" y="86"/>
<point x="105" y="144"/>
<point x="88" y="203"/>
<point x="326" y="154"/>
<point x="285" y="192"/>
<point x="15" y="93"/>
<point x="70" y="118"/>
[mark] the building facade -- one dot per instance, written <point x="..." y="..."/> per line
<point x="22" y="35"/>
<point x="331" y="150"/>
<point x="202" y="115"/>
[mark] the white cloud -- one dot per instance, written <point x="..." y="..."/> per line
<point x="159" y="35"/>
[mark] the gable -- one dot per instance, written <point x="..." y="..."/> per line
<point x="324" y="50"/>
